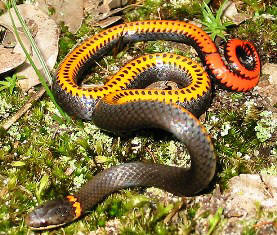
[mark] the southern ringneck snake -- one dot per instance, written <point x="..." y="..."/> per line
<point x="122" y="104"/>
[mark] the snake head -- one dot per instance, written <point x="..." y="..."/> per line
<point x="52" y="214"/>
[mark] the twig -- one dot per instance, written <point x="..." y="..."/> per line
<point x="175" y="211"/>
<point x="264" y="223"/>
<point x="7" y="124"/>
<point x="154" y="159"/>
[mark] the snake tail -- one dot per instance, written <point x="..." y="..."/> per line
<point x="122" y="104"/>
<point x="242" y="74"/>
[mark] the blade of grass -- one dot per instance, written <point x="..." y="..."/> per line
<point x="220" y="11"/>
<point x="41" y="78"/>
<point x="33" y="43"/>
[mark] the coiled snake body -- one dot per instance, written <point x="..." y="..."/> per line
<point x="123" y="105"/>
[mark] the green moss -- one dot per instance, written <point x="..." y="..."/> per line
<point x="215" y="220"/>
<point x="272" y="170"/>
<point x="249" y="231"/>
<point x="10" y="103"/>
<point x="147" y="11"/>
<point x="266" y="126"/>
<point x="65" y="44"/>
<point x="51" y="11"/>
<point x="255" y="5"/>
<point x="241" y="137"/>
<point x="68" y="40"/>
<point x="158" y="9"/>
<point x="272" y="10"/>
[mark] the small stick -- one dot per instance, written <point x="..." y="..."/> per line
<point x="8" y="123"/>
<point x="175" y="211"/>
<point x="264" y="223"/>
<point x="152" y="155"/>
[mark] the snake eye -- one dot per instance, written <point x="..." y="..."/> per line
<point x="50" y="215"/>
<point x="62" y="211"/>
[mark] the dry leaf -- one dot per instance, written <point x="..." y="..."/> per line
<point x="10" y="59"/>
<point x="96" y="7"/>
<point x="115" y="3"/>
<point x="231" y="13"/>
<point x="109" y="21"/>
<point x="91" y="7"/>
<point x="163" y="85"/>
<point x="67" y="11"/>
<point x="8" y="40"/>
<point x="10" y="55"/>
<point x="271" y="69"/>
<point x="2" y="6"/>
<point x="100" y="13"/>
<point x="248" y="190"/>
<point x="46" y="36"/>
<point x="268" y="88"/>
<point x="108" y="5"/>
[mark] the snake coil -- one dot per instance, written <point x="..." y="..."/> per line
<point x="122" y="104"/>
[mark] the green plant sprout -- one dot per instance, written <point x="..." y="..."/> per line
<point x="215" y="220"/>
<point x="214" y="24"/>
<point x="10" y="83"/>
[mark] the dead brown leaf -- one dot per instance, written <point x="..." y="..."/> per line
<point x="101" y="13"/>
<point x="10" y="59"/>
<point x="267" y="88"/>
<point x="8" y="39"/>
<point x="271" y="69"/>
<point x="10" y="55"/>
<point x="248" y="190"/>
<point x="231" y="13"/>
<point x="96" y="7"/>
<point x="163" y="85"/>
<point x="2" y="6"/>
<point x="46" y="35"/>
<point x="67" y="11"/>
<point x="107" y="22"/>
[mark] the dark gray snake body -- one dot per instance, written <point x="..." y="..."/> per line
<point x="177" y="180"/>
<point x="117" y="108"/>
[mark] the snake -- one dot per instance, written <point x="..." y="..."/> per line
<point x="123" y="105"/>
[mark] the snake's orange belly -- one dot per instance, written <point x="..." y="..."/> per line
<point x="122" y="104"/>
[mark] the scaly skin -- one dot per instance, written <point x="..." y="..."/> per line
<point x="123" y="105"/>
